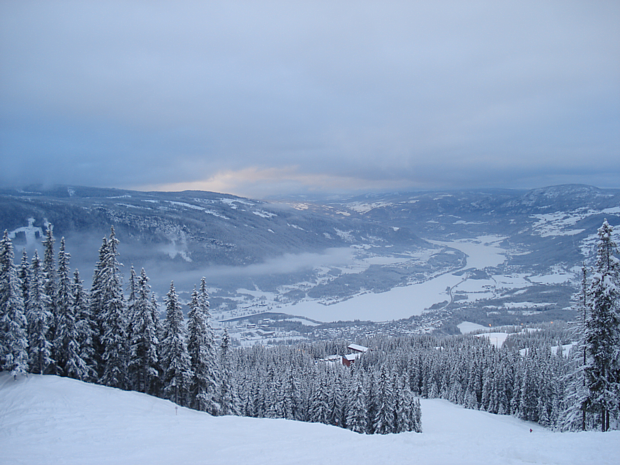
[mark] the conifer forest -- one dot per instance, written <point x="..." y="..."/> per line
<point x="562" y="376"/>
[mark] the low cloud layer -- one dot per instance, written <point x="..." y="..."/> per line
<point x="263" y="98"/>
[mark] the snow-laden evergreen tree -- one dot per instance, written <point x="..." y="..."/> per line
<point x="455" y="388"/>
<point x="23" y="273"/>
<point x="201" y="348"/>
<point x="499" y="398"/>
<point x="176" y="363"/>
<point x="293" y="403"/>
<point x="13" y="330"/>
<point x="356" y="410"/>
<point x="97" y="306"/>
<point x="416" y="416"/>
<point x="603" y="330"/>
<point x="399" y="409"/>
<point x="227" y="392"/>
<point x="515" y="400"/>
<point x="157" y="319"/>
<point x="39" y="318"/>
<point x="319" y="407"/>
<point x="130" y="303"/>
<point x="51" y="287"/>
<point x="143" y="359"/>
<point x="111" y="314"/>
<point x="276" y="398"/>
<point x="575" y="403"/>
<point x="130" y="310"/>
<point x="371" y="401"/>
<point x="337" y="410"/>
<point x="85" y="326"/>
<point x="528" y="407"/>
<point x="487" y="385"/>
<point x="410" y="413"/>
<point x="415" y="373"/>
<point x="384" y="416"/>
<point x="66" y="343"/>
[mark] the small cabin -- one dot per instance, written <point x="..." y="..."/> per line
<point x="357" y="349"/>
<point x="349" y="359"/>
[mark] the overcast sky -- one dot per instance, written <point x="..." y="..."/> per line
<point x="260" y="98"/>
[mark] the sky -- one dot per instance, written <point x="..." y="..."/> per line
<point x="274" y="98"/>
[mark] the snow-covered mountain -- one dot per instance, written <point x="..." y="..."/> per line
<point x="309" y="268"/>
<point x="52" y="420"/>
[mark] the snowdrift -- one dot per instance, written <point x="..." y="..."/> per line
<point x="52" y="420"/>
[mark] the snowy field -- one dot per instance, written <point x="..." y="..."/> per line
<point x="467" y="327"/>
<point x="51" y="420"/>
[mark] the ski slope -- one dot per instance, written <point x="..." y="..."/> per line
<point x="52" y="420"/>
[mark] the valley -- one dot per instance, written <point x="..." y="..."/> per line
<point x="314" y="269"/>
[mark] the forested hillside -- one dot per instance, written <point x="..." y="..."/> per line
<point x="49" y="324"/>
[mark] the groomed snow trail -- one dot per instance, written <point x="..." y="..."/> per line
<point x="52" y="420"/>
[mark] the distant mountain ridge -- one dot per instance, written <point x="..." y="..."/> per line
<point x="263" y="257"/>
<point x="184" y="231"/>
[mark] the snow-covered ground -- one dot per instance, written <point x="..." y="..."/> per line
<point x="467" y="327"/>
<point x="52" y="420"/>
<point x="496" y="339"/>
<point x="399" y="302"/>
<point x="405" y="301"/>
<point x="483" y="253"/>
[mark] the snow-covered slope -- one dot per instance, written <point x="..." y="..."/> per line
<point x="51" y="420"/>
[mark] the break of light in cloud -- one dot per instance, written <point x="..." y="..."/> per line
<point x="268" y="182"/>
<point x="261" y="98"/>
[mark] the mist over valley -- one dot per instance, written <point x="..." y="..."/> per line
<point x="303" y="268"/>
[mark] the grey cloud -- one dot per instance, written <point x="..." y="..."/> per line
<point x="431" y="93"/>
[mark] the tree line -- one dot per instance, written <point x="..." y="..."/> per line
<point x="49" y="324"/>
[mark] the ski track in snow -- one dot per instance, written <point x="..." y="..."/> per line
<point x="52" y="420"/>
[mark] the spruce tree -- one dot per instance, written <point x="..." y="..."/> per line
<point x="416" y="416"/>
<point x="371" y="401"/>
<point x="319" y="407"/>
<point x="201" y="350"/>
<point x="384" y="416"/>
<point x="176" y="363"/>
<point x="39" y="318"/>
<point x="337" y="414"/>
<point x="130" y="303"/>
<point x="528" y="407"/>
<point x="24" y="276"/>
<point x="356" y="411"/>
<point x="112" y="320"/>
<point x="85" y="326"/>
<point x="51" y="288"/>
<point x="143" y="359"/>
<point x="66" y="345"/>
<point x="227" y="389"/>
<point x="603" y="330"/>
<point x="292" y="400"/>
<point x="13" y="335"/>
<point x="97" y="306"/>
<point x="399" y="406"/>
<point x="575" y="402"/>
